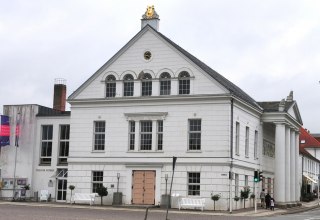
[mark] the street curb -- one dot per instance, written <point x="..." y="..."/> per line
<point x="300" y="210"/>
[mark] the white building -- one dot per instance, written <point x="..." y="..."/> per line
<point x="151" y="101"/>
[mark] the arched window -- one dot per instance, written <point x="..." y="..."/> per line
<point x="184" y="83"/>
<point x="128" y="85"/>
<point x="110" y="86"/>
<point x="146" y="84"/>
<point x="165" y="83"/>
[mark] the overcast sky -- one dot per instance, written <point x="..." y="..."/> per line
<point x="267" y="48"/>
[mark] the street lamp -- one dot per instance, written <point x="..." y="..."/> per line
<point x="15" y="159"/>
<point x="118" y="177"/>
<point x="166" y="178"/>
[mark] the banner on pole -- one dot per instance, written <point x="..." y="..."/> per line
<point x="4" y="131"/>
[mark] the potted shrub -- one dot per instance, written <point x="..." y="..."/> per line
<point x="215" y="198"/>
<point x="71" y="187"/>
<point x="245" y="194"/>
<point x="252" y="196"/>
<point x="236" y="198"/>
<point x="102" y="191"/>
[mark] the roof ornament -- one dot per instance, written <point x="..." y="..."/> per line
<point x="290" y="97"/>
<point x="282" y="105"/>
<point x="150" y="13"/>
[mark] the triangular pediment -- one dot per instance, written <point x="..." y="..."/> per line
<point x="169" y="57"/>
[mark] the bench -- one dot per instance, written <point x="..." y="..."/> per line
<point x="44" y="195"/>
<point x="192" y="203"/>
<point x="84" y="197"/>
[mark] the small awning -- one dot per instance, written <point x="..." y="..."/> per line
<point x="310" y="179"/>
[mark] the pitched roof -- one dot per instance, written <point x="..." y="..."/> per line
<point x="307" y="140"/>
<point x="232" y="88"/>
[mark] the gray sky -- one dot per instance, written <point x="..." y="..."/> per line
<point x="267" y="48"/>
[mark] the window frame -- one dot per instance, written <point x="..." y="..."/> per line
<point x="246" y="150"/>
<point x="184" y="83"/>
<point x="102" y="145"/>
<point x="165" y="83"/>
<point x="237" y="139"/>
<point x="145" y="135"/>
<point x="111" y="86"/>
<point x="255" y="147"/>
<point x="160" y="135"/>
<point x="132" y="135"/>
<point x="146" y="84"/>
<point x="128" y="85"/>
<point x="65" y="141"/>
<point x="192" y="135"/>
<point x="46" y="157"/>
<point x="94" y="182"/>
<point x="196" y="184"/>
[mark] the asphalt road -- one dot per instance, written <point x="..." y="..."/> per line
<point x="308" y="215"/>
<point x="18" y="212"/>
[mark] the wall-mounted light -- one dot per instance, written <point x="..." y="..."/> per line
<point x="166" y="178"/>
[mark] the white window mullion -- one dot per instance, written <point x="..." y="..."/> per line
<point x="137" y="137"/>
<point x="154" y="135"/>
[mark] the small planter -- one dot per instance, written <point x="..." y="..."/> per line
<point x="215" y="198"/>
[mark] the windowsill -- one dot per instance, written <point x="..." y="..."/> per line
<point x="145" y="151"/>
<point x="237" y="154"/>
<point x="98" y="151"/>
<point x="45" y="165"/>
<point x="194" y="151"/>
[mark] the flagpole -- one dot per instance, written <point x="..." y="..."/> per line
<point x="15" y="158"/>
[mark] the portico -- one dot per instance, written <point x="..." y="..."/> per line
<point x="284" y="120"/>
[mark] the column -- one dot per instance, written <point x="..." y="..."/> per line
<point x="174" y="86"/>
<point x="287" y="161"/>
<point x="297" y="167"/>
<point x="154" y="135"/>
<point x="137" y="136"/>
<point x="293" y="170"/>
<point x="119" y="88"/>
<point x="279" y="180"/>
<point x="137" y="88"/>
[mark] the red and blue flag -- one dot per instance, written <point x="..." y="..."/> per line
<point x="4" y="131"/>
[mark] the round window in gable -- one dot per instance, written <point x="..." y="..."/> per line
<point x="147" y="55"/>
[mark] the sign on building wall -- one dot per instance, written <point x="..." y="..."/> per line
<point x="268" y="148"/>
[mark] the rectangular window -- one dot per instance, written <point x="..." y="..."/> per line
<point x="46" y="144"/>
<point x="110" y="89"/>
<point x="255" y="149"/>
<point x="146" y="135"/>
<point x="247" y="142"/>
<point x="236" y="186"/>
<point x="195" y="134"/>
<point x="97" y="180"/>
<point x="165" y="87"/>
<point x="132" y="130"/>
<point x="128" y="88"/>
<point x="64" y="144"/>
<point x="237" y="137"/>
<point x="193" y="184"/>
<point x="160" y="134"/>
<point x="99" y="135"/>
<point x="184" y="86"/>
<point x="146" y="88"/>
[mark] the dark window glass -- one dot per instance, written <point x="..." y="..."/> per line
<point x="184" y="83"/>
<point x="110" y="86"/>
<point x="128" y="85"/>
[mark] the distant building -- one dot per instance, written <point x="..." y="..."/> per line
<point x="310" y="161"/>
<point x="151" y="101"/>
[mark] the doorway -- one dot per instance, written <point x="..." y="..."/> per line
<point x="143" y="187"/>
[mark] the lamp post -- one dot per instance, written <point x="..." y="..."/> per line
<point x="15" y="158"/>
<point x="166" y="178"/>
<point x="118" y="177"/>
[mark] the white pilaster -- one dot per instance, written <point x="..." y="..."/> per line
<point x="154" y="134"/>
<point x="287" y="167"/>
<point x="174" y="86"/>
<point x="137" y="136"/>
<point x="293" y="170"/>
<point x="137" y="88"/>
<point x="297" y="165"/>
<point x="279" y="181"/>
<point x="119" y="89"/>
<point x="155" y="88"/>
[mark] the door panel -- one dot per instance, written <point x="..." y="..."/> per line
<point x="143" y="187"/>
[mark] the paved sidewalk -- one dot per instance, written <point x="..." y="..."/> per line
<point x="242" y="212"/>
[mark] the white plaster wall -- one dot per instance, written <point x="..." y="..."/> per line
<point x="25" y="151"/>
<point x="42" y="174"/>
<point x="162" y="56"/>
<point x="215" y="132"/>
